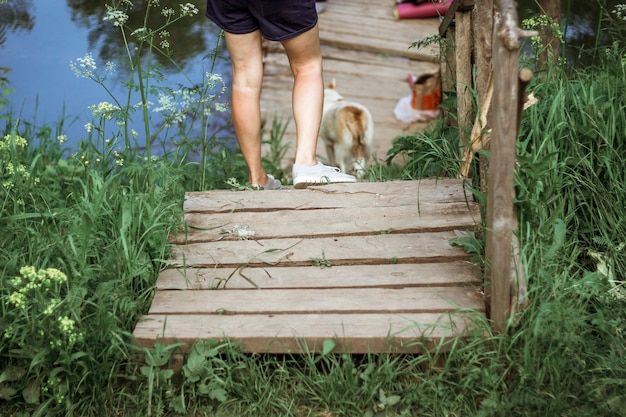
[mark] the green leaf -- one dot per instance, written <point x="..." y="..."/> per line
<point x="160" y="355"/>
<point x="194" y="366"/>
<point x="165" y="375"/>
<point x="12" y="373"/>
<point x="178" y="403"/>
<point x="218" y="394"/>
<point x="328" y="346"/>
<point x="6" y="392"/>
<point x="31" y="392"/>
<point x="558" y="239"/>
<point x="393" y="399"/>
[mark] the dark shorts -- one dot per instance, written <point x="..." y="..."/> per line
<point x="277" y="20"/>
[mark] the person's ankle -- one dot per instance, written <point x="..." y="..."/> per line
<point x="306" y="162"/>
<point x="261" y="180"/>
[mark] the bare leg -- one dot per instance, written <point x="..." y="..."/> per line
<point x="305" y="60"/>
<point x="247" y="62"/>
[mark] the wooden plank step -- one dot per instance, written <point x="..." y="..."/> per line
<point x="354" y="333"/>
<point x="437" y="192"/>
<point x="320" y="301"/>
<point x="343" y="24"/>
<point x="458" y="273"/>
<point x="302" y="223"/>
<point x="343" y="250"/>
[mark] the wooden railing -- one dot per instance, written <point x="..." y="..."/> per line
<point x="486" y="42"/>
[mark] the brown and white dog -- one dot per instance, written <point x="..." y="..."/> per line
<point x="348" y="132"/>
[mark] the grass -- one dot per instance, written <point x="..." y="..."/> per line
<point x="84" y="236"/>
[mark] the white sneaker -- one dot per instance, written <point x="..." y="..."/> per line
<point x="272" y="184"/>
<point x="305" y="175"/>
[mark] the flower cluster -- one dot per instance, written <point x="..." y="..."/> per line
<point x="188" y="9"/>
<point x="8" y="140"/>
<point x="118" y="17"/>
<point x="67" y="326"/>
<point x="543" y="22"/>
<point x="32" y="280"/>
<point x="216" y="82"/>
<point x="168" y="12"/>
<point x="620" y="11"/>
<point x="39" y="291"/>
<point x="86" y="67"/>
<point x="105" y="110"/>
<point x="12" y="170"/>
<point x="174" y="105"/>
<point x="165" y="43"/>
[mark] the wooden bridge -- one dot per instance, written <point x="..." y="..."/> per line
<point x="368" y="266"/>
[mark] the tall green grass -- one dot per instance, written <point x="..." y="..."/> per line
<point x="566" y="354"/>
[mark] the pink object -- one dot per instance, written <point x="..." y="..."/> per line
<point x="428" y="9"/>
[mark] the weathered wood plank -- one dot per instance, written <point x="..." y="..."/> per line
<point x="306" y="332"/>
<point x="358" y="195"/>
<point x="346" y="40"/>
<point x="463" y="57"/>
<point x="349" y="64"/>
<point x="459" y="273"/>
<point x="321" y="301"/>
<point x="348" y="250"/>
<point x="363" y="26"/>
<point x="298" y="223"/>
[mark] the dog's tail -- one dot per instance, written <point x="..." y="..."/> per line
<point x="356" y="122"/>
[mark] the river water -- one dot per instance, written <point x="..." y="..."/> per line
<point x="39" y="39"/>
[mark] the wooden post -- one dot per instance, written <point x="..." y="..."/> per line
<point x="501" y="221"/>
<point x="482" y="28"/>
<point x="463" y="57"/>
<point x="456" y="67"/>
<point x="448" y="73"/>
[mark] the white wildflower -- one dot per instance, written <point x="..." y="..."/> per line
<point x="188" y="9"/>
<point x="175" y="104"/>
<point x="84" y="67"/>
<point x="221" y="107"/>
<point x="620" y="11"/>
<point x="104" y="109"/>
<point x="116" y="16"/>
<point x="141" y="33"/>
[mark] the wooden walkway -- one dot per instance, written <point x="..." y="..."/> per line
<point x="367" y="52"/>
<point x="367" y="265"/>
